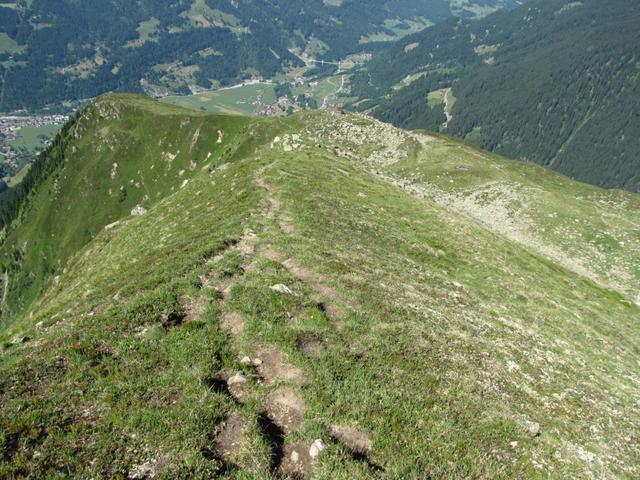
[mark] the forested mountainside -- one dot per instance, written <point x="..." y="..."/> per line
<point x="190" y="295"/>
<point x="57" y="50"/>
<point x="553" y="81"/>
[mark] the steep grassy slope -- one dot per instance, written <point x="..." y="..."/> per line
<point x="415" y="341"/>
<point x="114" y="161"/>
<point x="554" y="82"/>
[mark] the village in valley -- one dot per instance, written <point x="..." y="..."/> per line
<point x="318" y="84"/>
<point x="24" y="136"/>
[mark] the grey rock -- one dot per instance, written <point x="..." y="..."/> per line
<point x="112" y="225"/>
<point x="237" y="379"/>
<point x="138" y="210"/>
<point x="283" y="290"/>
<point x="317" y="447"/>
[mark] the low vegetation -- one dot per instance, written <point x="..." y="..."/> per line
<point x="298" y="303"/>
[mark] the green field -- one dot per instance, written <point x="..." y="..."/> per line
<point x="435" y="98"/>
<point x="326" y="88"/>
<point x="399" y="29"/>
<point x="28" y="142"/>
<point x="17" y="178"/>
<point x="31" y="138"/>
<point x="245" y="100"/>
<point x="248" y="99"/>
<point x="8" y="45"/>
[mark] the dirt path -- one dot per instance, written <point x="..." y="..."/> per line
<point x="264" y="371"/>
<point x="316" y="282"/>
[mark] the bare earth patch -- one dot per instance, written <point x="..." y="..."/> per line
<point x="301" y="273"/>
<point x="310" y="345"/>
<point x="286" y="408"/>
<point x="194" y="308"/>
<point x="229" y="439"/>
<point x="232" y="322"/>
<point x="268" y="252"/>
<point x="246" y="244"/>
<point x="355" y="438"/>
<point x="274" y="367"/>
<point x="296" y="461"/>
<point x="239" y="391"/>
<point x="286" y="224"/>
<point x="314" y="281"/>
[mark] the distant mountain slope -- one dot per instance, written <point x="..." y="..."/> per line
<point x="415" y="305"/>
<point x="57" y="50"/>
<point x="553" y="82"/>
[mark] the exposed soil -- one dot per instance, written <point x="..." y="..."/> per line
<point x="296" y="461"/>
<point x="274" y="367"/>
<point x="356" y="439"/>
<point x="271" y="254"/>
<point x="314" y="281"/>
<point x="286" y="409"/>
<point x="194" y="308"/>
<point x="246" y="245"/>
<point x="229" y="439"/>
<point x="310" y="344"/>
<point x="286" y="224"/>
<point x="232" y="322"/>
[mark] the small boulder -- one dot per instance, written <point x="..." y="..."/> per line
<point x="237" y="379"/>
<point x="317" y="447"/>
<point x="245" y="360"/>
<point x="282" y="289"/>
<point x="138" y="211"/>
<point x="534" y="429"/>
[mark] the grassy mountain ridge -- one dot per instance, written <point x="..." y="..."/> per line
<point x="412" y="338"/>
<point x="553" y="82"/>
<point x="62" y="50"/>
<point x="95" y="187"/>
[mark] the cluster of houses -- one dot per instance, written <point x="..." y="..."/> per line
<point x="11" y="125"/>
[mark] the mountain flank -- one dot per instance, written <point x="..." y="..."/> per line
<point x="314" y="296"/>
<point x="552" y="82"/>
<point x="57" y="53"/>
